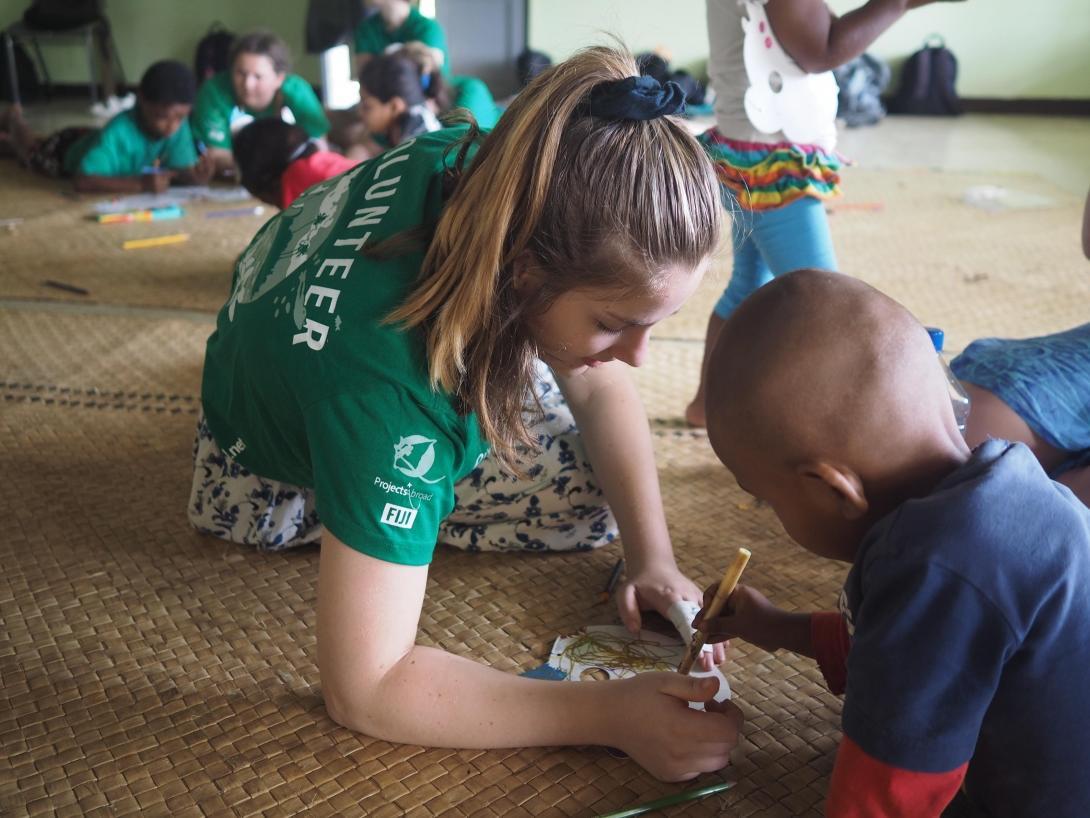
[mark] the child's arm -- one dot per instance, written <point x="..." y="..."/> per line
<point x="862" y="786"/>
<point x="199" y="173"/>
<point x="144" y="183"/>
<point x="377" y="681"/>
<point x="819" y="41"/>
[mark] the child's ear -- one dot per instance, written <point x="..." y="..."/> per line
<point x="398" y="106"/>
<point x="840" y="486"/>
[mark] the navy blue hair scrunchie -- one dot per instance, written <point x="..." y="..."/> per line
<point x="638" y="98"/>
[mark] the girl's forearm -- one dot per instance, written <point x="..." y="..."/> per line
<point x="436" y="699"/>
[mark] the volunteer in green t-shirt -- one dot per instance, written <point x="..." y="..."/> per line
<point x="257" y="85"/>
<point x="397" y="21"/>
<point x="394" y="325"/>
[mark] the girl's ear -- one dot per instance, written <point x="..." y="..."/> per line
<point x="397" y="106"/>
<point x="527" y="276"/>
<point x="837" y="486"/>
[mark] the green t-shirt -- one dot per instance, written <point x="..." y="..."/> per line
<point x="472" y="94"/>
<point x="372" y="37"/>
<point x="123" y="149"/>
<point x="216" y="115"/>
<point x="304" y="383"/>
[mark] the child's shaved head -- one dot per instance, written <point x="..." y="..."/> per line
<point x="820" y="369"/>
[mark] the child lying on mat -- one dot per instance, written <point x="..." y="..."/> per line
<point x="961" y="644"/>
<point x="277" y="161"/>
<point x="1037" y="391"/>
<point x="143" y="149"/>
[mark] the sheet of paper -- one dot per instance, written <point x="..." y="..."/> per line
<point x="610" y="652"/>
<point x="173" y="196"/>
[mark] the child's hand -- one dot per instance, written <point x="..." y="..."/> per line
<point x="655" y="725"/>
<point x="202" y="172"/>
<point x="155" y="182"/>
<point x="747" y="615"/>
<point x="655" y="588"/>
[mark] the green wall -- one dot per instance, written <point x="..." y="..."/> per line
<point x="150" y="30"/>
<point x="1006" y="48"/>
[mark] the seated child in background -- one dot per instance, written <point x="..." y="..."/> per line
<point x="393" y="102"/>
<point x="278" y="161"/>
<point x="461" y="91"/>
<point x="1037" y="391"/>
<point x="961" y="646"/>
<point x="142" y="149"/>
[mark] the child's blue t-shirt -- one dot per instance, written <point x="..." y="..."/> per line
<point x="970" y="617"/>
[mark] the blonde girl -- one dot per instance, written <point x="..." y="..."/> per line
<point x="432" y="347"/>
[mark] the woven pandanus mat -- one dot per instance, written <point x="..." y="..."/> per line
<point x="146" y="670"/>
<point x="976" y="273"/>
<point x="59" y="241"/>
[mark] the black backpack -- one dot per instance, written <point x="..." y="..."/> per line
<point x="213" y="53"/>
<point x="927" y="82"/>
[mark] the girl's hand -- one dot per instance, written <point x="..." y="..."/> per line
<point x="652" y="722"/>
<point x="655" y="588"/>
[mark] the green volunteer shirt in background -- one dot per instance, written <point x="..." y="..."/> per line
<point x="304" y="383"/>
<point x="372" y="37"/>
<point x="123" y="149"/>
<point x="472" y="94"/>
<point x="217" y="115"/>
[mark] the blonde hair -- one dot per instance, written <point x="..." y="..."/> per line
<point x="596" y="204"/>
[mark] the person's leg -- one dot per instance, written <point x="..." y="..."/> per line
<point x="796" y="237"/>
<point x="558" y="506"/>
<point x="230" y="502"/>
<point x="767" y="244"/>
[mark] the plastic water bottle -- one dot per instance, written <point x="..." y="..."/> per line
<point x="958" y="397"/>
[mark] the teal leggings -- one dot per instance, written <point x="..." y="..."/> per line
<point x="770" y="243"/>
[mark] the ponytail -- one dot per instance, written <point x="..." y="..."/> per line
<point x="595" y="203"/>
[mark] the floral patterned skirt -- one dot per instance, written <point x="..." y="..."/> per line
<point x="557" y="506"/>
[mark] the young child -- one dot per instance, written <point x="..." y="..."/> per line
<point x="142" y="149"/>
<point x="961" y="646"/>
<point x="1037" y="391"/>
<point x="773" y="142"/>
<point x="277" y="161"/>
<point x="393" y="102"/>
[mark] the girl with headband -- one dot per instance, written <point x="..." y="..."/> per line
<point x="431" y="348"/>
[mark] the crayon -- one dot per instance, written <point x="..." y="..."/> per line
<point x="235" y="211"/>
<point x="155" y="241"/>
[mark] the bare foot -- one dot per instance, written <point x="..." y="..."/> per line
<point x="694" y="414"/>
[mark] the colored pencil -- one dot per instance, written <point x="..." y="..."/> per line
<point x="614" y="577"/>
<point x="726" y="588"/>
<point x="68" y="288"/>
<point x="235" y="211"/>
<point x="672" y="800"/>
<point x="155" y="241"/>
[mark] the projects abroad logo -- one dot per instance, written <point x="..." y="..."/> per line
<point x="414" y="456"/>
